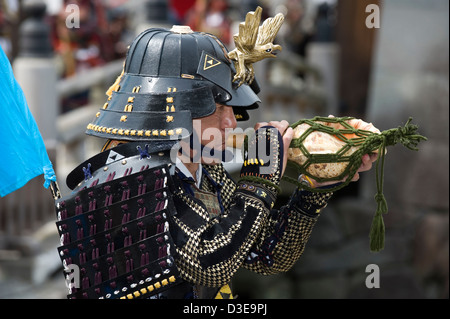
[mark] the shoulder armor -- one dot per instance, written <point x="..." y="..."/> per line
<point x="115" y="225"/>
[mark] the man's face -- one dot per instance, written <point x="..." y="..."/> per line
<point x="212" y="132"/>
<point x="213" y="129"/>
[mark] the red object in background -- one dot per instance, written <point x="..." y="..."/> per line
<point x="181" y="7"/>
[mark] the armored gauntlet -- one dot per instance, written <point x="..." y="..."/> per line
<point x="263" y="160"/>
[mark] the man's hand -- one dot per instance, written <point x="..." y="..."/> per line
<point x="366" y="165"/>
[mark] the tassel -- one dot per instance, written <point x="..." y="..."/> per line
<point x="377" y="229"/>
<point x="377" y="234"/>
<point x="409" y="138"/>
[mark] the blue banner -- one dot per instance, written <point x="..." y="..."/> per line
<point x="23" y="155"/>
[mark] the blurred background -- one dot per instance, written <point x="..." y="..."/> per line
<point x="339" y="57"/>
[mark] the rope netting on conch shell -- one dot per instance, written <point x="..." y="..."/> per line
<point x="355" y="143"/>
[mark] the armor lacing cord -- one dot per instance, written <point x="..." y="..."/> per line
<point x="87" y="172"/>
<point x="143" y="152"/>
<point x="366" y="142"/>
<point x="92" y="202"/>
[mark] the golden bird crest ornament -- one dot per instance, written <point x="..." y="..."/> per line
<point x="254" y="43"/>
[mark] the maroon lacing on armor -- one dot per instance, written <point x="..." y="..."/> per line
<point x="129" y="264"/>
<point x="110" y="176"/>
<point x="145" y="257"/>
<point x="92" y="202"/>
<point x="94" y="183"/>
<point x="126" y="215"/>
<point x="112" y="270"/>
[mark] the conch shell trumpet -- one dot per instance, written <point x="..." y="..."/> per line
<point x="323" y="143"/>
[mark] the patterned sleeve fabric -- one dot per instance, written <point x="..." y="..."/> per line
<point x="283" y="239"/>
<point x="211" y="249"/>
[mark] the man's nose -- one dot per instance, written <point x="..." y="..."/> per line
<point x="228" y="118"/>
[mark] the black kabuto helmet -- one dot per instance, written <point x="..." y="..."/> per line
<point x="169" y="78"/>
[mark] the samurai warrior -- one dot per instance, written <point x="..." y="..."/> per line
<point x="155" y="214"/>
